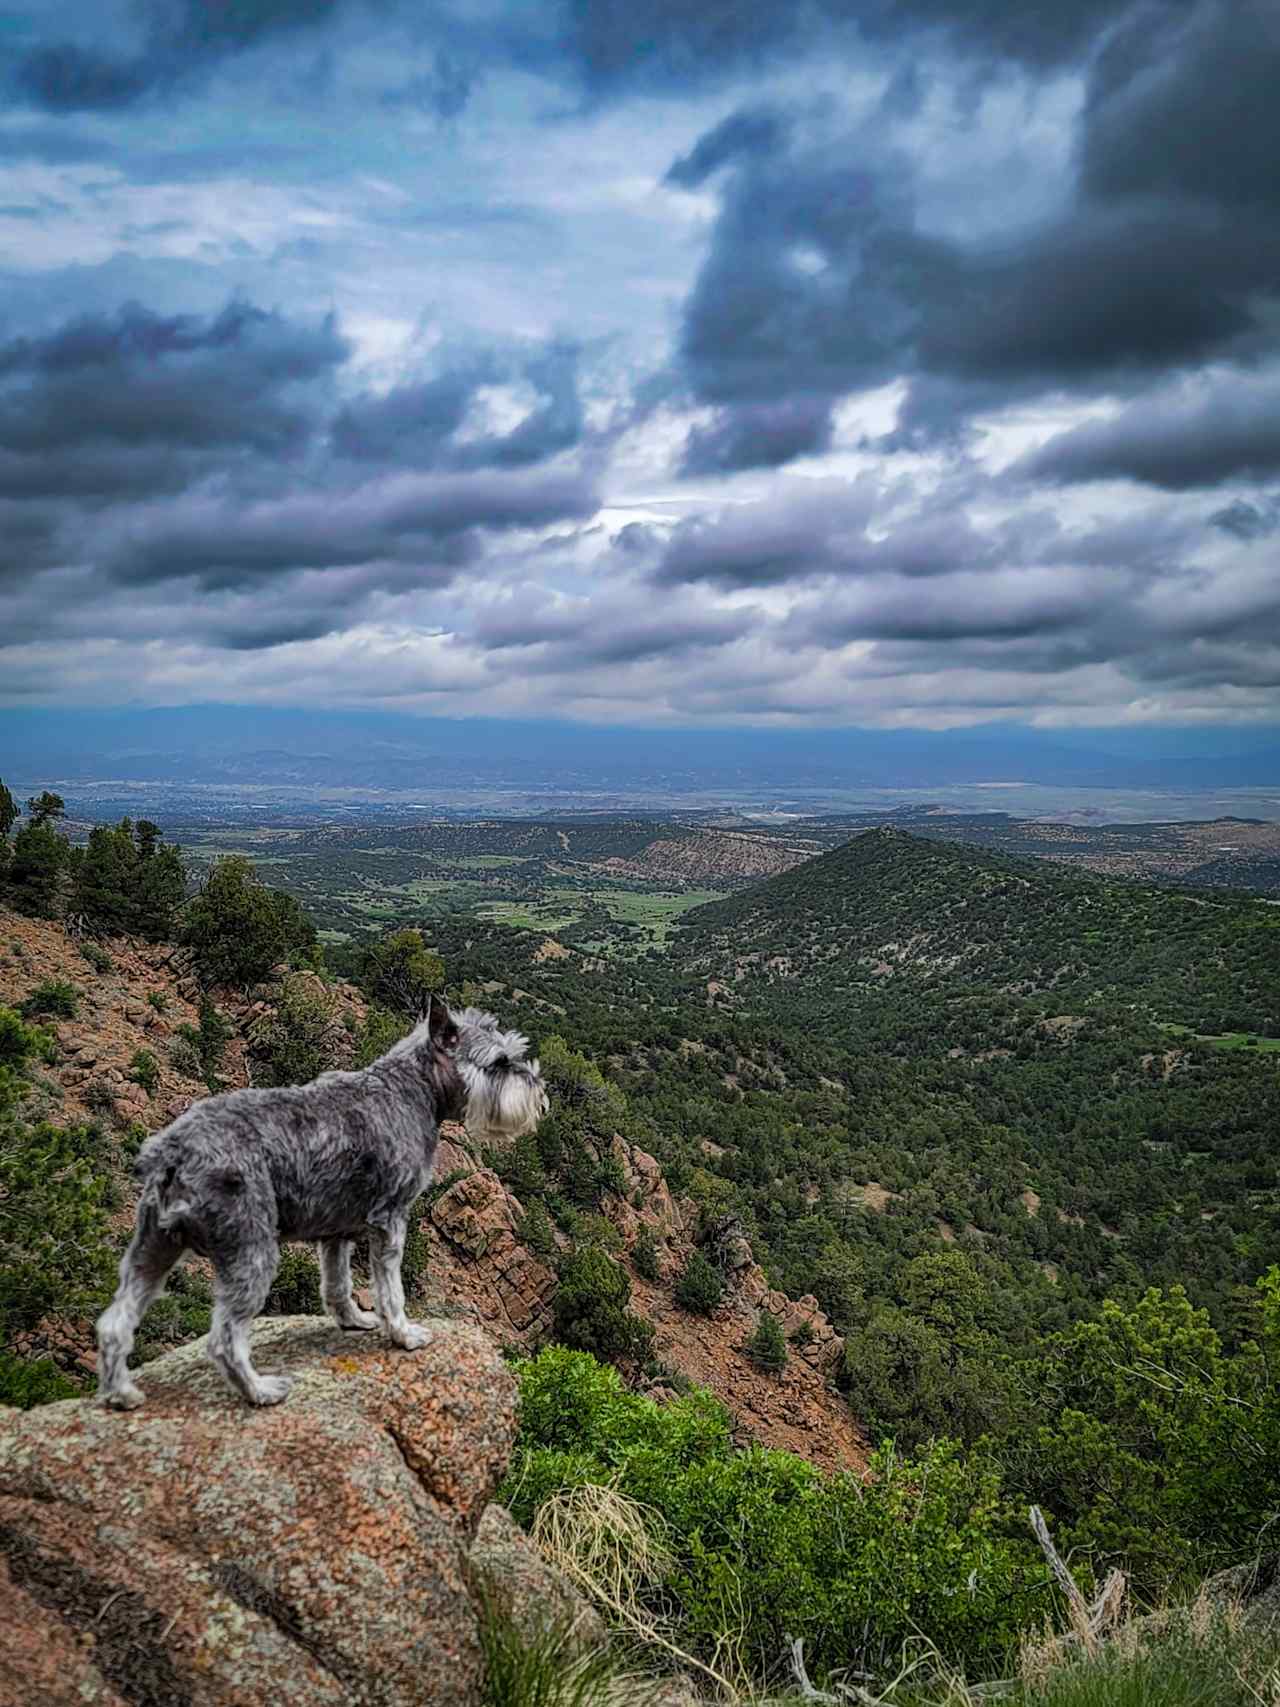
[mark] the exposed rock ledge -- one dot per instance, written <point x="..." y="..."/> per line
<point x="196" y="1552"/>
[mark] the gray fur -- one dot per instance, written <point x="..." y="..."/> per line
<point x="341" y="1158"/>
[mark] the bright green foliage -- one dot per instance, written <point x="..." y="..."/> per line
<point x="767" y="1546"/>
<point x="144" y="1070"/>
<point x="53" y="997"/>
<point x="238" y="929"/>
<point x="701" y="1286"/>
<point x="1158" y="1449"/>
<point x="301" y="1037"/>
<point x="9" y="811"/>
<point x="401" y="973"/>
<point x="295" y="1291"/>
<point x="766" y="1348"/>
<point x="591" y="1306"/>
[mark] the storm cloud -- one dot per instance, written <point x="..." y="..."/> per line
<point x="867" y="360"/>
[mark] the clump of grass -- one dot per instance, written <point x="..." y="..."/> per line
<point x="549" y="1667"/>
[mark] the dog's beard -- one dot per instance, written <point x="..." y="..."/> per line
<point x="502" y="1104"/>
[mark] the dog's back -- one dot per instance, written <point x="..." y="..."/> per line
<point x="315" y="1160"/>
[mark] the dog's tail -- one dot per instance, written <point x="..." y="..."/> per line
<point x="163" y="1205"/>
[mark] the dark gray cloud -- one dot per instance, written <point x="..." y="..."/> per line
<point x="1226" y="430"/>
<point x="607" y="630"/>
<point x="138" y="378"/>
<point x="1182" y="104"/>
<point x="1248" y="521"/>
<point x="427" y="523"/>
<point x="420" y="424"/>
<point x="180" y="40"/>
<point x="758" y="435"/>
<point x="749" y="131"/>
<point x="617" y="44"/>
<point x="823" y="276"/>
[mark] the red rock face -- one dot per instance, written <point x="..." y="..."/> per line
<point x="201" y="1552"/>
<point x="476" y="1260"/>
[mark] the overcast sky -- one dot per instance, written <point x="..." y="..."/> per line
<point x="678" y="361"/>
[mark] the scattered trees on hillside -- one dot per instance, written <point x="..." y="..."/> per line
<point x="401" y="973"/>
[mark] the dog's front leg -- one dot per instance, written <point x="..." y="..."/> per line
<point x="335" y="1286"/>
<point x="386" y="1247"/>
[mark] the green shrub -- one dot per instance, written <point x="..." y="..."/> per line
<point x="701" y="1286"/>
<point x="97" y="956"/>
<point x="144" y="1070"/>
<point x="767" y="1348"/>
<point x="53" y="997"/>
<point x="401" y="973"/>
<point x="184" y="1054"/>
<point x="56" y="1252"/>
<point x="765" y="1546"/>
<point x="27" y="1384"/>
<point x="803" y="1334"/>
<point x="158" y="1000"/>
<point x="300" y="1038"/>
<point x="100" y="1097"/>
<point x="591" y="1306"/>
<point x="295" y="1291"/>
<point x="645" y="1255"/>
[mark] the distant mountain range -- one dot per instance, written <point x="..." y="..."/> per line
<point x="239" y="746"/>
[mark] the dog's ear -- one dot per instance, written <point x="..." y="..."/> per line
<point x="442" y="1028"/>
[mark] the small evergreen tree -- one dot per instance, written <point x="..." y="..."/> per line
<point x="591" y="1307"/>
<point x="238" y="929"/>
<point x="645" y="1254"/>
<point x="701" y="1286"/>
<point x="766" y="1348"/>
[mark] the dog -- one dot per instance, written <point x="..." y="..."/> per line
<point x="343" y="1157"/>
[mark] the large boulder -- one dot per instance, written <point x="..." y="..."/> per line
<point x="197" y="1551"/>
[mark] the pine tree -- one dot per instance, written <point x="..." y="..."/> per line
<point x="766" y="1348"/>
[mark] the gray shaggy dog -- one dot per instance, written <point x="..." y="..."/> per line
<point x="341" y="1158"/>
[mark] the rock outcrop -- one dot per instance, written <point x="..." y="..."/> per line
<point x="197" y="1552"/>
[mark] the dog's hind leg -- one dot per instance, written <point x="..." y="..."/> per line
<point x="242" y="1280"/>
<point x="386" y="1247"/>
<point x="144" y="1268"/>
<point x="335" y="1286"/>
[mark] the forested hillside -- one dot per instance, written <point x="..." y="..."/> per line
<point x="890" y="906"/>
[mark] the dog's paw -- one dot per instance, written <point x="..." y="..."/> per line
<point x="411" y="1337"/>
<point x="271" y="1389"/>
<point x="355" y="1319"/>
<point x="126" y="1398"/>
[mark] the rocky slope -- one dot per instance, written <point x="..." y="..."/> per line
<point x="323" y="1551"/>
<point x="477" y="1264"/>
